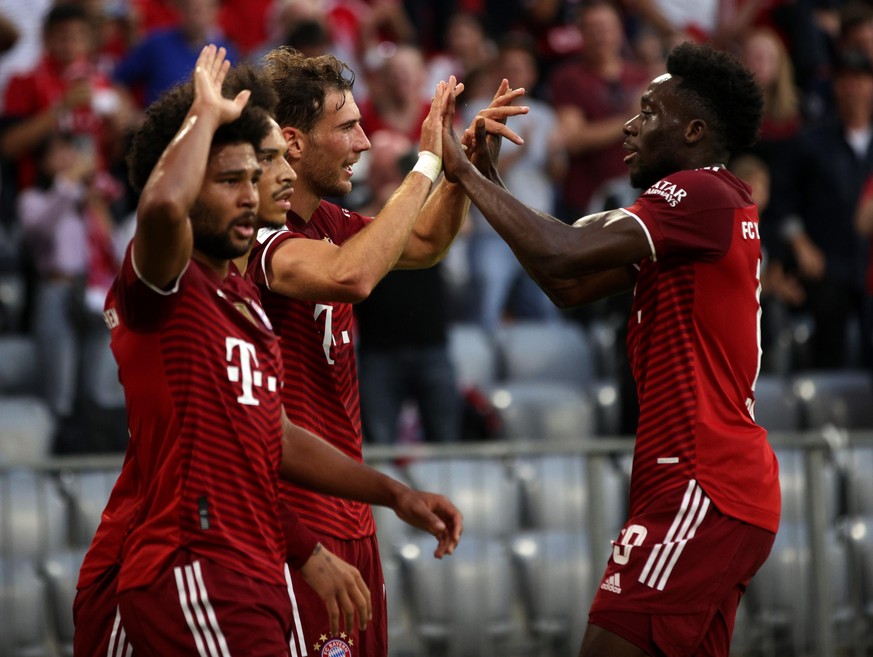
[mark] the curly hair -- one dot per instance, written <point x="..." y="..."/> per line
<point x="165" y="116"/>
<point x="718" y="86"/>
<point x="302" y="84"/>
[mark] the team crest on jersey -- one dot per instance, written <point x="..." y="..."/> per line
<point x="669" y="191"/>
<point x="336" y="647"/>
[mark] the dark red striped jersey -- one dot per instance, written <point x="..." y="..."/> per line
<point x="694" y="344"/>
<point x="201" y="372"/>
<point x="321" y="378"/>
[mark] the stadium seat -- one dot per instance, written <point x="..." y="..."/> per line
<point x="61" y="572"/>
<point x="482" y="489"/>
<point x="19" y="369"/>
<point x="461" y="605"/>
<point x="859" y="480"/>
<point x="546" y="352"/>
<point x="555" y="492"/>
<point x="86" y="492"/>
<point x="27" y="430"/>
<point x="843" y="398"/>
<point x="544" y="410"/>
<point x="474" y="356"/>
<point x="780" y="594"/>
<point x="777" y="408"/>
<point x="793" y="481"/>
<point x="33" y="519"/>
<point x="23" y="628"/>
<point x="390" y="529"/>
<point x="557" y="582"/>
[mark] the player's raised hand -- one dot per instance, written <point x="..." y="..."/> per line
<point x="341" y="587"/>
<point x="209" y="73"/>
<point x="434" y="514"/>
<point x="431" y="128"/>
<point x="500" y="109"/>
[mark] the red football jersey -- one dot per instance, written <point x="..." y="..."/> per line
<point x="321" y="378"/>
<point x="694" y="345"/>
<point x="201" y="372"/>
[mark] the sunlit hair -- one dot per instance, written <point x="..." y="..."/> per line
<point x="781" y="97"/>
<point x="164" y="118"/>
<point x="303" y="83"/>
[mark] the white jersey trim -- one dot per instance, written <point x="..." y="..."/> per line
<point x="664" y="556"/>
<point x="155" y="288"/>
<point x="118" y="645"/>
<point x="646" y="230"/>
<point x="297" y="644"/>
<point x="265" y="237"/>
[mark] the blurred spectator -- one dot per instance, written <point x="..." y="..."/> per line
<point x="833" y="160"/>
<point x="500" y="286"/>
<point x="397" y="100"/>
<point x="68" y="230"/>
<point x="27" y="20"/>
<point x="403" y="327"/>
<point x="167" y="56"/>
<point x="468" y="48"/>
<point x="66" y="93"/>
<point x="594" y="95"/>
<point x="864" y="226"/>
<point x="9" y="34"/>
<point x="781" y="291"/>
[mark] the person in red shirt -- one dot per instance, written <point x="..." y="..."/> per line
<point x="203" y="560"/>
<point x="325" y="259"/>
<point x="704" y="492"/>
<point x="65" y="93"/>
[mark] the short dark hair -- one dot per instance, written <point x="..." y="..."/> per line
<point x="245" y="76"/>
<point x="64" y="12"/>
<point x="721" y="88"/>
<point x="303" y="83"/>
<point x="165" y="116"/>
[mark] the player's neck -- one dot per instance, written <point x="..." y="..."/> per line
<point x="304" y="203"/>
<point x="220" y="266"/>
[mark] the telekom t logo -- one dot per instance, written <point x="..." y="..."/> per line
<point x="246" y="372"/>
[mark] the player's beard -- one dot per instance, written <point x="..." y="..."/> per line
<point x="217" y="244"/>
<point x="322" y="179"/>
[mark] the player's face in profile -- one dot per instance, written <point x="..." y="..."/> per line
<point x="224" y="215"/>
<point x="333" y="146"/>
<point x="277" y="180"/>
<point x="653" y="138"/>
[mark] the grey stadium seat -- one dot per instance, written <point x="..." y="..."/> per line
<point x="27" y="429"/>
<point x="482" y="489"/>
<point x="539" y="410"/>
<point x="474" y="356"/>
<point x="841" y="397"/>
<point x="23" y="630"/>
<point x="777" y="408"/>
<point x="461" y="605"/>
<point x="558" y="581"/>
<point x="61" y="572"/>
<point x="87" y="492"/>
<point x="546" y="351"/>
<point x="859" y="479"/>
<point x="19" y="368"/>
<point x="33" y="516"/>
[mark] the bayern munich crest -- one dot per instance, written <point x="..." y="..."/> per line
<point x="335" y="648"/>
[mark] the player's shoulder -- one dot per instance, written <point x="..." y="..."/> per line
<point x="712" y="186"/>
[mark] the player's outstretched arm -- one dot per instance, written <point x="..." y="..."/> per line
<point x="444" y="211"/>
<point x="312" y="463"/>
<point x="163" y="241"/>
<point x="317" y="271"/>
<point x="561" y="258"/>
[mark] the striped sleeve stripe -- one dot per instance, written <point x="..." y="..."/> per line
<point x="118" y="645"/>
<point x="657" y="571"/>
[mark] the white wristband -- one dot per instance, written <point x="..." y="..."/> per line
<point x="429" y="164"/>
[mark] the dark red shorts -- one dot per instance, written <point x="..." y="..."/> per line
<point x="98" y="631"/>
<point x="311" y="627"/>
<point x="676" y="576"/>
<point x="197" y="607"/>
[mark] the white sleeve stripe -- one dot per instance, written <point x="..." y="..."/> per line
<point x="646" y="230"/>
<point x="186" y="610"/>
<point x="210" y="612"/>
<point x="155" y="288"/>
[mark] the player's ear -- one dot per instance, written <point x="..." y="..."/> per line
<point x="294" y="139"/>
<point x="695" y="130"/>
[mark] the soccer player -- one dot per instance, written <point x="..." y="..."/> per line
<point x="704" y="493"/>
<point x="203" y="559"/>
<point x="325" y="259"/>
